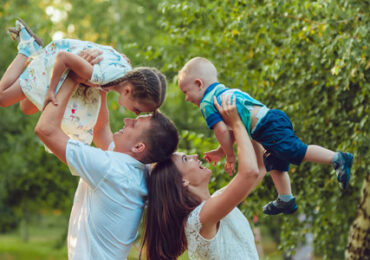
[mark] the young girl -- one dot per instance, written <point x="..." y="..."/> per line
<point x="141" y="90"/>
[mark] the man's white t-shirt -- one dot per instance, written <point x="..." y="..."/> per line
<point x="108" y="203"/>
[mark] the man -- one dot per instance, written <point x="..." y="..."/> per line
<point x="109" y="200"/>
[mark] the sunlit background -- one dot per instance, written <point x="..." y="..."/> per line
<point x="308" y="58"/>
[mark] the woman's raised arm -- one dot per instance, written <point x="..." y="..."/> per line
<point x="217" y="207"/>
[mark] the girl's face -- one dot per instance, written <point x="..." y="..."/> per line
<point x="191" y="169"/>
<point x="127" y="101"/>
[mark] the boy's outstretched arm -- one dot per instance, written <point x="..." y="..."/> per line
<point x="225" y="138"/>
<point x="103" y="136"/>
<point x="64" y="60"/>
<point x="48" y="128"/>
<point x="217" y="154"/>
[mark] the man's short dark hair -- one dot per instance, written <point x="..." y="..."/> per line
<point x="161" y="138"/>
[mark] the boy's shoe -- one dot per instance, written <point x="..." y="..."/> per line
<point x="29" y="43"/>
<point x="342" y="166"/>
<point x="278" y="206"/>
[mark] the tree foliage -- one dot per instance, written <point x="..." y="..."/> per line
<point x="308" y="58"/>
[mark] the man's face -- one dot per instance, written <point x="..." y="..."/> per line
<point x="193" y="92"/>
<point x="131" y="133"/>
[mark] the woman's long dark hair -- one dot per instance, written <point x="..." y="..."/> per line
<point x="169" y="205"/>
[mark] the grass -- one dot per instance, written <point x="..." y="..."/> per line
<point x="46" y="232"/>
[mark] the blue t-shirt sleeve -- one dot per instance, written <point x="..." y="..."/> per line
<point x="88" y="162"/>
<point x="210" y="114"/>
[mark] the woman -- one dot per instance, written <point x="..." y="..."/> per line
<point x="182" y="214"/>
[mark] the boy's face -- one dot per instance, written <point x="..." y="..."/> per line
<point x="192" y="89"/>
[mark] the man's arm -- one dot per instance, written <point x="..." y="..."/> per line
<point x="103" y="136"/>
<point x="48" y="128"/>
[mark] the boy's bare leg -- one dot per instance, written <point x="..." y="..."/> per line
<point x="285" y="203"/>
<point x="281" y="181"/>
<point x="341" y="162"/>
<point x="318" y="154"/>
<point x="12" y="73"/>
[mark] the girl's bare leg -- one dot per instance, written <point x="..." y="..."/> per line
<point x="10" y="89"/>
<point x="318" y="154"/>
<point x="12" y="73"/>
<point x="28" y="107"/>
<point x="11" y="95"/>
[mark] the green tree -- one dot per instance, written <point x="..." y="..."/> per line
<point x="308" y="58"/>
<point x="30" y="178"/>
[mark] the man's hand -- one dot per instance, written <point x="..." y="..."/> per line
<point x="126" y="58"/>
<point x="91" y="55"/>
<point x="214" y="155"/>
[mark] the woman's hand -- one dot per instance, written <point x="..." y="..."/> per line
<point x="227" y="110"/>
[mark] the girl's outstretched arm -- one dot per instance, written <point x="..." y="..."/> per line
<point x="66" y="60"/>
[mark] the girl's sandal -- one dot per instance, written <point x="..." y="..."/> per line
<point x="14" y="32"/>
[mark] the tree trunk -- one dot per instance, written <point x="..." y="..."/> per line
<point x="25" y="221"/>
<point x="359" y="236"/>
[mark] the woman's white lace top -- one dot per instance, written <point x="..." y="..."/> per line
<point x="234" y="239"/>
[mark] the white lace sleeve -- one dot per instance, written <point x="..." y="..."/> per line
<point x="198" y="247"/>
<point x="193" y="224"/>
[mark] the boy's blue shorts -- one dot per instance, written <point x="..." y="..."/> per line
<point x="275" y="132"/>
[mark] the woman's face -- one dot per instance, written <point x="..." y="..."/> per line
<point x="191" y="169"/>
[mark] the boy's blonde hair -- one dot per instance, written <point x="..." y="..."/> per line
<point x="199" y="67"/>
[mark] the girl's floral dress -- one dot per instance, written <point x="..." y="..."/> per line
<point x="83" y="107"/>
